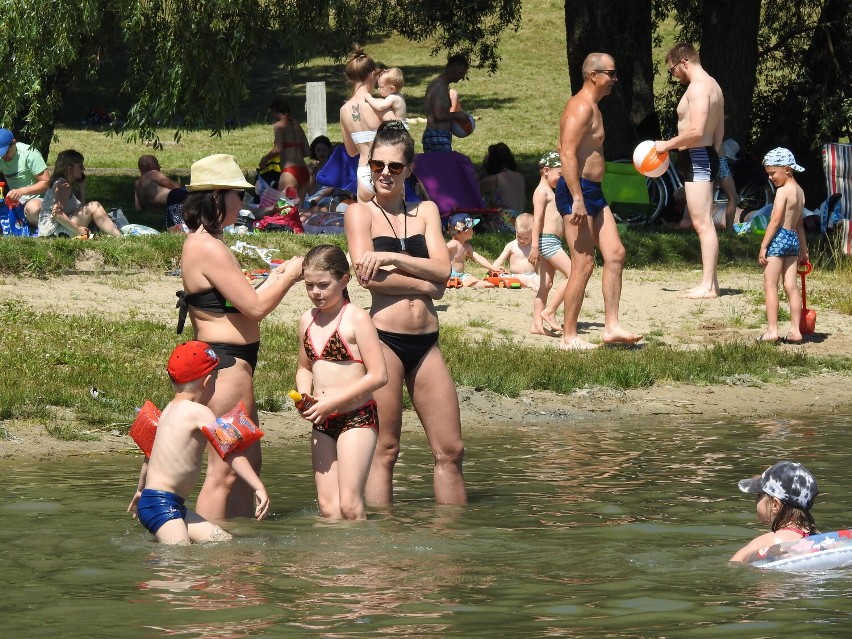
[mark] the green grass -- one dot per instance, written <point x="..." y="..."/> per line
<point x="126" y="364"/>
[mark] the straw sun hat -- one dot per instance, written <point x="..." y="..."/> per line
<point x="219" y="171"/>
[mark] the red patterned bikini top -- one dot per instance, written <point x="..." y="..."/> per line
<point x="335" y="349"/>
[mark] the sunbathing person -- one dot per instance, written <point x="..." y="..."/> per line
<point x="154" y="189"/>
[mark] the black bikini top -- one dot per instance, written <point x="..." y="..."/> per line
<point x="415" y="245"/>
<point x="335" y="350"/>
<point x="210" y="299"/>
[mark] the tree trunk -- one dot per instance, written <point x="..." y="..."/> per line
<point x="805" y="118"/>
<point x="622" y="29"/>
<point x="728" y="49"/>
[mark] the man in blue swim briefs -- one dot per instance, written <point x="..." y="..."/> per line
<point x="439" y="119"/>
<point x="701" y="128"/>
<point x="588" y="220"/>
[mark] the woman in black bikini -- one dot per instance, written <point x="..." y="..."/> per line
<point x="225" y="311"/>
<point x="400" y="256"/>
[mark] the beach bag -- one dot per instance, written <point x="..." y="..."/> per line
<point x="13" y="221"/>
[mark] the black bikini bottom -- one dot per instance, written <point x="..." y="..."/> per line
<point x="409" y="348"/>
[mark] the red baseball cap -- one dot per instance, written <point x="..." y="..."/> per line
<point x="193" y="360"/>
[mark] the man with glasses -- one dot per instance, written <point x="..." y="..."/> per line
<point x="700" y="126"/>
<point x="26" y="174"/>
<point x="588" y="220"/>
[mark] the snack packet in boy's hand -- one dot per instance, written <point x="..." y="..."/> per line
<point x="144" y="428"/>
<point x="232" y="431"/>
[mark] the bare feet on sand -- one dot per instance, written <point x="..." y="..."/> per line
<point x="620" y="336"/>
<point x="546" y="330"/>
<point x="701" y="293"/>
<point x="576" y="344"/>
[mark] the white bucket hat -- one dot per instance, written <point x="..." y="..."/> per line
<point x="219" y="171"/>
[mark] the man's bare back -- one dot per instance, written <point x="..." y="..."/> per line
<point x="437" y="101"/>
<point x="152" y="190"/>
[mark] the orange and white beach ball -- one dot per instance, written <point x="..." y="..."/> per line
<point x="464" y="128"/>
<point x="648" y="162"/>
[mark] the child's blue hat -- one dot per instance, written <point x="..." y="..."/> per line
<point x="782" y="157"/>
<point x="788" y="481"/>
<point x="461" y="221"/>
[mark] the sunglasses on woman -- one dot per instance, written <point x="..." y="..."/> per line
<point x="394" y="168"/>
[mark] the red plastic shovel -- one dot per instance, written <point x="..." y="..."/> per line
<point x="807" y="324"/>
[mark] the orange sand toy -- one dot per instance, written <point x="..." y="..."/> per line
<point x="501" y="280"/>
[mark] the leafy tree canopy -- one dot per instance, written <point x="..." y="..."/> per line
<point x="188" y="61"/>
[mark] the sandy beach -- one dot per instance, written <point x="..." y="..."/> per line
<point x="650" y="305"/>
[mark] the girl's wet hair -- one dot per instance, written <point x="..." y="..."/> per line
<point x="327" y="257"/>
<point x="359" y="66"/>
<point x="64" y="161"/>
<point x="205" y="209"/>
<point x="394" y="133"/>
<point x="790" y="515"/>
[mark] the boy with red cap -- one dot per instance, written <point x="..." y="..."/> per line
<point x="172" y="468"/>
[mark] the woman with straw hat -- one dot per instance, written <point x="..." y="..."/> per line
<point x="225" y="311"/>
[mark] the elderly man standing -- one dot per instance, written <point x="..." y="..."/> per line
<point x="26" y="173"/>
<point x="586" y="215"/>
<point x="700" y="126"/>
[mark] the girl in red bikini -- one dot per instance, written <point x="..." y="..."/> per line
<point x="784" y="494"/>
<point x="340" y="365"/>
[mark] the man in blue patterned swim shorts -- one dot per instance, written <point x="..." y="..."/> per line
<point x="587" y="218"/>
<point x="700" y="126"/>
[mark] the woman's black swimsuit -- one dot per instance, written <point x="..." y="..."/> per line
<point x="213" y="301"/>
<point x="410" y="348"/>
<point x="209" y="299"/>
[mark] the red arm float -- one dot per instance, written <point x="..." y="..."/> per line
<point x="232" y="431"/>
<point x="144" y="428"/>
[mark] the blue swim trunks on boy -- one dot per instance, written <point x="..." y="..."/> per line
<point x="784" y="244"/>
<point x="156" y="507"/>
<point x="592" y="196"/>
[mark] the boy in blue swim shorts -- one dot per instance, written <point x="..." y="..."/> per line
<point x="784" y="246"/>
<point x="172" y="469"/>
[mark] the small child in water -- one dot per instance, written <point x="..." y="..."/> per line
<point x="784" y="493"/>
<point x="460" y="228"/>
<point x="518" y="253"/>
<point x="391" y="106"/>
<point x="340" y="365"/>
<point x="784" y="246"/>
<point x="172" y="470"/>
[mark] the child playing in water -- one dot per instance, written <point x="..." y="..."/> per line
<point x="391" y="106"/>
<point x="172" y="470"/>
<point x="785" y="493"/>
<point x="547" y="233"/>
<point x="340" y="365"/>
<point x="784" y="246"/>
<point x="518" y="252"/>
<point x="460" y="228"/>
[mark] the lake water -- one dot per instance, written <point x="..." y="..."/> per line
<point x="591" y="530"/>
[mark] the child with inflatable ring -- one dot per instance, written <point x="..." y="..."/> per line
<point x="784" y="494"/>
<point x="174" y="443"/>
